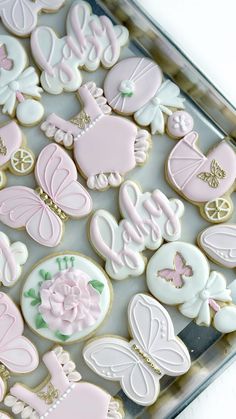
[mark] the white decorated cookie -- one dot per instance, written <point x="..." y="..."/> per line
<point x="62" y="394"/>
<point x="4" y="415"/>
<point x="12" y="258"/>
<point x="20" y="16"/>
<point x="105" y="146"/>
<point x="148" y="219"/>
<point x="90" y="40"/>
<point x="18" y="83"/>
<point x="66" y="297"/>
<point x="152" y="352"/>
<point x="179" y="274"/>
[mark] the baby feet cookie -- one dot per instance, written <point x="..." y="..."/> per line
<point x="105" y="146"/>
<point x="179" y="274"/>
<point x="18" y="83"/>
<point x="12" y="258"/>
<point x="152" y="352"/>
<point x="58" y="196"/>
<point x="148" y="219"/>
<point x="66" y="297"/>
<point x="90" y="40"/>
<point x="134" y="87"/>
<point x="17" y="354"/>
<point x="206" y="181"/>
<point x="62" y="394"/>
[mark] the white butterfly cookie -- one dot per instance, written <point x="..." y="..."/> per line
<point x="12" y="257"/>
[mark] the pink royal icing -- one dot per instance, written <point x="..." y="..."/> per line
<point x="179" y="124"/>
<point x="11" y="140"/>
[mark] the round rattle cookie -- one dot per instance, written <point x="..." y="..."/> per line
<point x="152" y="352"/>
<point x="12" y="258"/>
<point x="62" y="394"/>
<point x="18" y="83"/>
<point x="179" y="124"/>
<point x="66" y="297"/>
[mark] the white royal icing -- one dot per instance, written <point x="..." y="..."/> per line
<point x="12" y="258"/>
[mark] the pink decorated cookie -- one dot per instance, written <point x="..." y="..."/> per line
<point x="90" y="40"/>
<point x="58" y="196"/>
<point x="179" y="124"/>
<point x="66" y="297"/>
<point x="219" y="243"/>
<point x="63" y="394"/>
<point x="152" y="352"/>
<point x="207" y="181"/>
<point x="17" y="354"/>
<point x="105" y="146"/>
<point x="12" y="258"/>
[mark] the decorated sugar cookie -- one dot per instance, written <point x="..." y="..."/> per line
<point x="179" y="124"/>
<point x="58" y="196"/>
<point x="179" y="274"/>
<point x="105" y="146"/>
<point x="134" y="87"/>
<point x="20" y="16"/>
<point x="12" y="258"/>
<point x="18" y="83"/>
<point x="17" y="354"/>
<point x="152" y="352"/>
<point x="66" y="297"/>
<point x="206" y="181"/>
<point x="4" y="415"/>
<point x="90" y="40"/>
<point x="219" y="243"/>
<point x="148" y="219"/>
<point x="63" y="394"/>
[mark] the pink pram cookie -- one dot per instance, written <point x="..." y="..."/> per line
<point x="63" y="394"/>
<point x="58" y="196"/>
<point x="206" y="181"/>
<point x="105" y="147"/>
<point x="12" y="258"/>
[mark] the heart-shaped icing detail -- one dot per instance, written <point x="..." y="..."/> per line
<point x="225" y="319"/>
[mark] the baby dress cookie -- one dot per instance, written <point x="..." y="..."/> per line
<point x="18" y="83"/>
<point x="179" y="274"/>
<point x="134" y="87"/>
<point x="140" y="363"/>
<point x="20" y="16"/>
<point x="148" y="219"/>
<point x="12" y="258"/>
<point x="66" y="297"/>
<point x="90" y="40"/>
<point x="43" y="211"/>
<point x="63" y="394"/>
<point x="206" y="181"/>
<point x="17" y="354"/>
<point x="219" y="243"/>
<point x="105" y="146"/>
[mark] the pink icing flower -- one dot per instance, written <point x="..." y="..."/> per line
<point x="69" y="304"/>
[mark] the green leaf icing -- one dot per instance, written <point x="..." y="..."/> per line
<point x="39" y="322"/>
<point x="45" y="275"/>
<point x="97" y="285"/>
<point x="62" y="337"/>
<point x="31" y="293"/>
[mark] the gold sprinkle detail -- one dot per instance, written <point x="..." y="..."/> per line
<point x="146" y="358"/>
<point x="3" y="148"/>
<point x="50" y="395"/>
<point x="4" y="373"/>
<point x="82" y="119"/>
<point x="49" y="202"/>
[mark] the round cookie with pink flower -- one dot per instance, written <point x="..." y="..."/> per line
<point x="66" y="297"/>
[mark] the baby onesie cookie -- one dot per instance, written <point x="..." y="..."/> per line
<point x="63" y="394"/>
<point x="12" y="258"/>
<point x="219" y="243"/>
<point x="148" y="219"/>
<point x="105" y="146"/>
<point x="20" y="16"/>
<point x="179" y="274"/>
<point x="17" y="354"/>
<point x="206" y="181"/>
<point x="90" y="40"/>
<point x="18" y="83"/>
<point x="134" y="87"/>
<point x="59" y="195"/>
<point x="140" y="363"/>
<point x="66" y="297"/>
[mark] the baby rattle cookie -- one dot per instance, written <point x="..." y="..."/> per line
<point x="43" y="211"/>
<point x="105" y="146"/>
<point x="20" y="17"/>
<point x="18" y="83"/>
<point x="206" y="181"/>
<point x="12" y="258"/>
<point x="90" y="40"/>
<point x="66" y="297"/>
<point x="219" y="243"/>
<point x="152" y="352"/>
<point x="134" y="87"/>
<point x="148" y="219"/>
<point x="63" y="394"/>
<point x="179" y="274"/>
<point x="17" y="354"/>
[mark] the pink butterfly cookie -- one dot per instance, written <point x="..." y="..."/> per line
<point x="5" y="62"/>
<point x="59" y="195"/>
<point x="180" y="269"/>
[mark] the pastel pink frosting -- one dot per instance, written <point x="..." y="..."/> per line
<point x="69" y="304"/>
